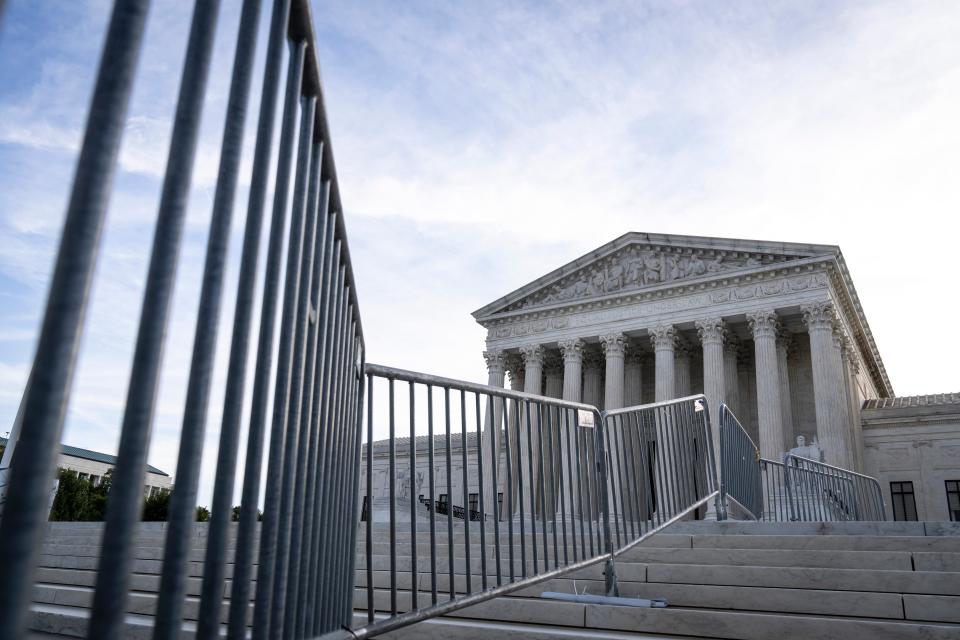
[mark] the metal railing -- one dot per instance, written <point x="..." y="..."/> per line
<point x="795" y="489"/>
<point x="304" y="562"/>
<point x="740" y="480"/>
<point x="580" y="487"/>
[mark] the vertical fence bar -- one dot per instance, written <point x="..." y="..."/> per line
<point x="302" y="249"/>
<point x="414" y="570"/>
<point x="466" y="487"/>
<point x="393" y="504"/>
<point x="125" y="501"/>
<point x="32" y="468"/>
<point x="433" y="497"/>
<point x="369" y="469"/>
<point x="482" y="504"/>
<point x="269" y="531"/>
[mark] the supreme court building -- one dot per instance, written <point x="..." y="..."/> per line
<point x="773" y="329"/>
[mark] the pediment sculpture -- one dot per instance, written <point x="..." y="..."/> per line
<point x="639" y="266"/>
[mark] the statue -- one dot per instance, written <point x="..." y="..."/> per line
<point x="651" y="270"/>
<point x="696" y="267"/>
<point x="803" y="450"/>
<point x="714" y="265"/>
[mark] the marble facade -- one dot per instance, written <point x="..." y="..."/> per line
<point x="773" y="329"/>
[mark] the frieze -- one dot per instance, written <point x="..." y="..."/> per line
<point x="639" y="266"/>
<point x="662" y="306"/>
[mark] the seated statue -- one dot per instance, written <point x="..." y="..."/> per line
<point x="811" y="451"/>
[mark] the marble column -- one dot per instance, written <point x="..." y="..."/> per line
<point x="820" y="319"/>
<point x="514" y="366"/>
<point x="572" y="351"/>
<point x="529" y="443"/>
<point x="613" y="351"/>
<point x="731" y="355"/>
<point x="664" y="339"/>
<point x="769" y="407"/>
<point x="784" y="348"/>
<point x="632" y="375"/>
<point x="840" y="341"/>
<point x="853" y="369"/>
<point x="492" y="427"/>
<point x="711" y="333"/>
<point x="682" y="356"/>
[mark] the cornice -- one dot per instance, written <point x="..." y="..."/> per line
<point x="663" y="291"/>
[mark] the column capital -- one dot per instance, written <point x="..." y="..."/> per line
<point x="819" y="316"/>
<point x="572" y="350"/>
<point x="613" y="344"/>
<point x="496" y="360"/>
<point x="711" y="330"/>
<point x="532" y="354"/>
<point x="592" y="360"/>
<point x="840" y="339"/>
<point x="663" y="337"/>
<point x="764" y="324"/>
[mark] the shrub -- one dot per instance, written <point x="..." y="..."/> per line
<point x="235" y="516"/>
<point x="72" y="502"/>
<point x="203" y="514"/>
<point x="157" y="507"/>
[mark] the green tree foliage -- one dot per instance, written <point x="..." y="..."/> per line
<point x="78" y="500"/>
<point x="203" y="514"/>
<point x="235" y="515"/>
<point x="156" y="507"/>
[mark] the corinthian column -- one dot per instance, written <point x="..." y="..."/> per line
<point x="852" y="369"/>
<point x="840" y="344"/>
<point x="664" y="339"/>
<point x="632" y="375"/>
<point x="711" y="333"/>
<point x="572" y="352"/>
<point x="496" y="361"/>
<point x="769" y="410"/>
<point x="820" y="320"/>
<point x="514" y="366"/>
<point x="613" y="346"/>
<point x="784" y="347"/>
<point x="529" y="443"/>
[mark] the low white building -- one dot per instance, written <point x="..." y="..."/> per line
<point x="93" y="466"/>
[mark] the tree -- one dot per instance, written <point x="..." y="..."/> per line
<point x="157" y="507"/>
<point x="203" y="514"/>
<point x="72" y="502"/>
<point x="235" y="516"/>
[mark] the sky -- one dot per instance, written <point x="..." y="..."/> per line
<point x="482" y="145"/>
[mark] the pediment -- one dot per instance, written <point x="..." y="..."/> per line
<point x="640" y="261"/>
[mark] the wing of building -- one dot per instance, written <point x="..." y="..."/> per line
<point x="773" y="329"/>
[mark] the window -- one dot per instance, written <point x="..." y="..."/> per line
<point x="904" y="502"/>
<point x="500" y="505"/>
<point x="443" y="499"/>
<point x="363" y="509"/>
<point x="473" y="501"/>
<point x="953" y="500"/>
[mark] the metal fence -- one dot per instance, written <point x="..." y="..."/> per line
<point x="740" y="481"/>
<point x="302" y="587"/>
<point x="794" y="489"/>
<point x="803" y="489"/>
<point x="576" y="487"/>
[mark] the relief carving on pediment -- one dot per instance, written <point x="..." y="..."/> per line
<point x="641" y="266"/>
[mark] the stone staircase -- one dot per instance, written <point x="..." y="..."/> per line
<point x="846" y="580"/>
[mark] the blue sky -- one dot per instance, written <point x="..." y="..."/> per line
<point x="481" y="145"/>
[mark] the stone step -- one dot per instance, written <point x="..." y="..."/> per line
<point x="882" y="528"/>
<point x="698" y="622"/>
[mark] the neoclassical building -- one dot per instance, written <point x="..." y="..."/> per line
<point x="773" y="329"/>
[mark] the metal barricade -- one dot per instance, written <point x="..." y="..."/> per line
<point x="842" y="494"/>
<point x="450" y="447"/>
<point x="576" y="488"/>
<point x="741" y="480"/>
<point x="304" y="572"/>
